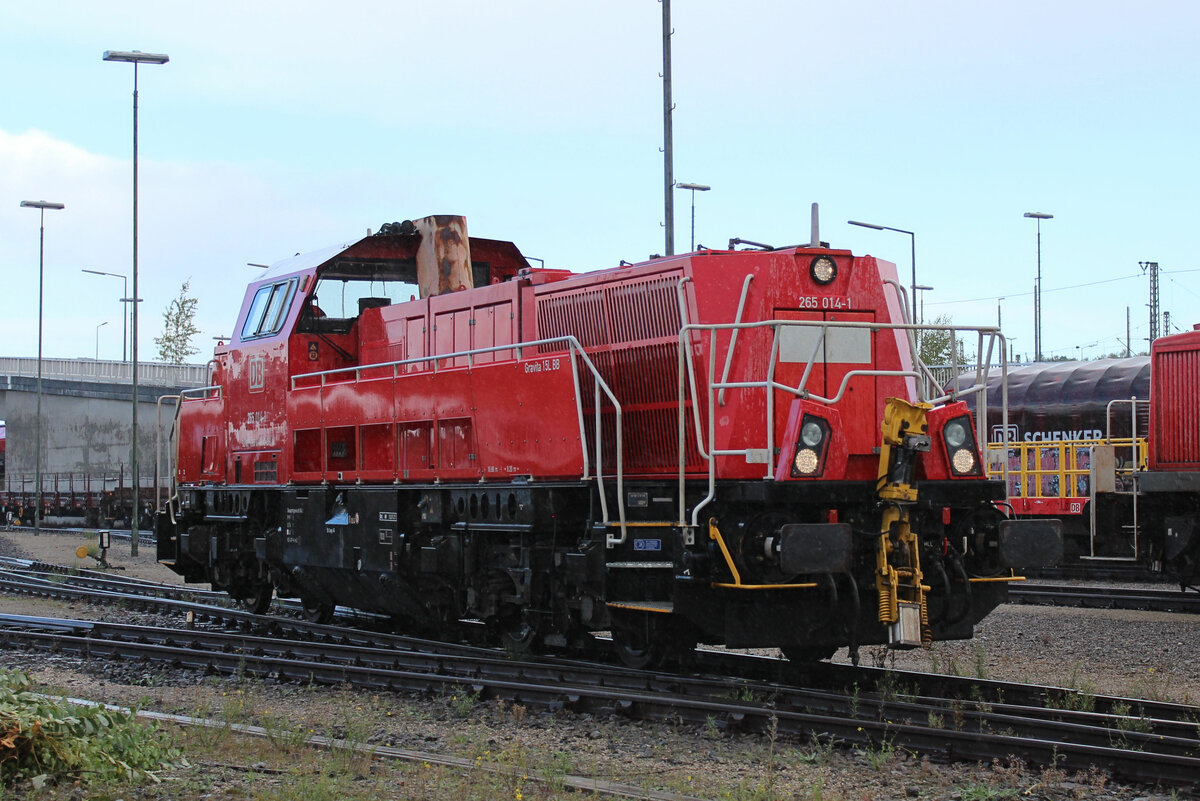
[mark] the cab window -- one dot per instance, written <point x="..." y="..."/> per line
<point x="268" y="310"/>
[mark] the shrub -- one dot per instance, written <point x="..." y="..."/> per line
<point x="43" y="739"/>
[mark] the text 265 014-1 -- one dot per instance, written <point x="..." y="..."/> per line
<point x="823" y="302"/>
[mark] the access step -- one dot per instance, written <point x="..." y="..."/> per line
<point x="662" y="607"/>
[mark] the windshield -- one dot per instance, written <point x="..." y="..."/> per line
<point x="347" y="298"/>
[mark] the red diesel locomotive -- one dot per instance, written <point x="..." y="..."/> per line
<point x="724" y="447"/>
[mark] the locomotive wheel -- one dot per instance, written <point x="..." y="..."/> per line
<point x="636" y="649"/>
<point x="316" y="611"/>
<point x="808" y="654"/>
<point x="649" y="641"/>
<point x="519" y="638"/>
<point x="258" y="598"/>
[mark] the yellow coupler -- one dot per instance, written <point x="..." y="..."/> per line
<point x="898" y="578"/>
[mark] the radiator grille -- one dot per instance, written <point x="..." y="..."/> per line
<point x="631" y="333"/>
<point x="1177" y="412"/>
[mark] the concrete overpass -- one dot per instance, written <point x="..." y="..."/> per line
<point x="86" y="415"/>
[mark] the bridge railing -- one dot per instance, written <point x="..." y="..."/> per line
<point x="149" y="373"/>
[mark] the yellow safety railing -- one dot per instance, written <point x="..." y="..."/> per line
<point x="1061" y="469"/>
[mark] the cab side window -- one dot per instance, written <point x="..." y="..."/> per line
<point x="268" y="310"/>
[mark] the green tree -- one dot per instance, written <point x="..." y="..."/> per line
<point x="179" y="326"/>
<point x="935" y="347"/>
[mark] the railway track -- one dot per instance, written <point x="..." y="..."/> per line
<point x="1098" y="597"/>
<point x="1158" y="746"/>
<point x="943" y="716"/>
<point x="1080" y="570"/>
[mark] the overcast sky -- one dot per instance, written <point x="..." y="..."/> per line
<point x="282" y="127"/>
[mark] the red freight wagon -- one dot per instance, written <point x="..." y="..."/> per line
<point x="1112" y="448"/>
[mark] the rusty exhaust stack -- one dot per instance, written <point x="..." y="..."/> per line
<point x="444" y="255"/>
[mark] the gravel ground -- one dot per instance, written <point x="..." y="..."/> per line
<point x="1143" y="654"/>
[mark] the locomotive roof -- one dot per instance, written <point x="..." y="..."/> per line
<point x="1069" y="383"/>
<point x="304" y="261"/>
<point x="379" y="251"/>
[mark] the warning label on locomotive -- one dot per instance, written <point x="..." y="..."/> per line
<point x="647" y="545"/>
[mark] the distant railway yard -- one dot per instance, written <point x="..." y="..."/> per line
<point x="1096" y="700"/>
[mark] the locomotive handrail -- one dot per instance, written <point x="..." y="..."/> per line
<point x="198" y="393"/>
<point x="192" y="394"/>
<point x="908" y="312"/>
<point x="927" y="378"/>
<point x="769" y="384"/>
<point x="158" y="454"/>
<point x="1135" y="464"/>
<point x="1134" y="403"/>
<point x="573" y="347"/>
<point x="685" y="352"/>
<point x="737" y="318"/>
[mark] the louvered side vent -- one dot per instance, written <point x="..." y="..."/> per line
<point x="1177" y="422"/>
<point x="631" y="333"/>
<point x="578" y="314"/>
<point x="644" y="311"/>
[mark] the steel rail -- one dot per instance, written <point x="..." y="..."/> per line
<point x="119" y="585"/>
<point x="1069" y="745"/>
<point x="589" y="784"/>
<point x="991" y="691"/>
<point x="1147" y="725"/>
<point x="1092" y="597"/>
<point x="769" y="671"/>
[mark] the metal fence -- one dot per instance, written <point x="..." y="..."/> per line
<point x="149" y="373"/>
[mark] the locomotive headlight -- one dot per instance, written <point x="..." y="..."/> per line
<point x="806" y="462"/>
<point x="960" y="446"/>
<point x="956" y="434"/>
<point x="823" y="270"/>
<point x="963" y="461"/>
<point x="811" y="434"/>
<point x="811" y="445"/>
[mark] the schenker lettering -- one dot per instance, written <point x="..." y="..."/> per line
<point x="1059" y="436"/>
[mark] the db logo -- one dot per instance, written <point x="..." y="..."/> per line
<point x="1014" y="434"/>
<point x="255" y="369"/>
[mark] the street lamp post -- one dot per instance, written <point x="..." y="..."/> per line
<point x="98" y="338"/>
<point x="921" y="305"/>
<point x="41" y="206"/>
<point x="1037" y="287"/>
<point x="694" y="189"/>
<point x="135" y="58"/>
<point x="913" y="237"/>
<point x="124" y="316"/>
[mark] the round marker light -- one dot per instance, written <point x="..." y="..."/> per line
<point x="963" y="461"/>
<point x="806" y="461"/>
<point x="811" y="434"/>
<point x="955" y="433"/>
<point x="823" y="270"/>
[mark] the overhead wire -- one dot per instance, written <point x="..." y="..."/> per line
<point x="1063" y="288"/>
